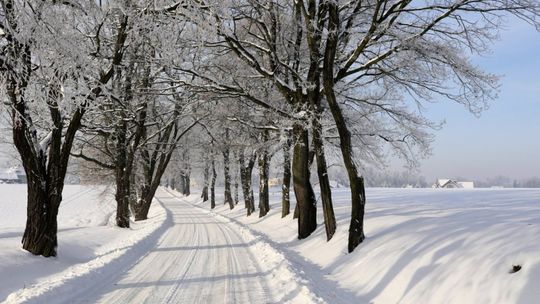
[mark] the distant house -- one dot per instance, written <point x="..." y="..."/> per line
<point x="14" y="175"/>
<point x="273" y="182"/>
<point x="335" y="184"/>
<point x="7" y="177"/>
<point x="452" y="184"/>
<point x="20" y="174"/>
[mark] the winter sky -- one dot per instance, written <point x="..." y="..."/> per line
<point x="505" y="140"/>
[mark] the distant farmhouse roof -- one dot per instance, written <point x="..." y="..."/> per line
<point x="6" y="175"/>
<point x="450" y="184"/>
<point x="14" y="175"/>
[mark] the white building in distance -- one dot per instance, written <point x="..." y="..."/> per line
<point x="452" y="184"/>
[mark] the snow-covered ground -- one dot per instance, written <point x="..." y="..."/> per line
<point x="88" y="242"/>
<point x="422" y="246"/>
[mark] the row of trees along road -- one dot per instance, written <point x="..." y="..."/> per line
<point x="132" y="86"/>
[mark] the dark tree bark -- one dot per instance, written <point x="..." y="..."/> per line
<point x="264" y="167"/>
<point x="296" y="213"/>
<point x="185" y="174"/>
<point x="226" y="172"/>
<point x="153" y="171"/>
<point x="186" y="180"/>
<point x="187" y="183"/>
<point x="122" y="177"/>
<point x="180" y="184"/>
<point x="246" y="171"/>
<point x="324" y="182"/>
<point x="213" y="185"/>
<point x="235" y="188"/>
<point x="206" y="174"/>
<point x="305" y="197"/>
<point x="358" y="197"/>
<point x="285" y="195"/>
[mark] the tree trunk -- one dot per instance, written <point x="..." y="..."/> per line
<point x="141" y="208"/>
<point x="246" y="171"/>
<point x="122" y="201"/>
<point x="324" y="182"/>
<point x="264" y="203"/>
<point x="148" y="192"/>
<point x="142" y="205"/>
<point x="41" y="226"/>
<point x="286" y="187"/>
<point x="235" y="189"/>
<point x="180" y="184"/>
<point x="186" y="180"/>
<point x="227" y="176"/>
<point x="186" y="173"/>
<point x="358" y="197"/>
<point x="204" y="194"/>
<point x="213" y="186"/>
<point x="305" y="198"/>
<point x="122" y="177"/>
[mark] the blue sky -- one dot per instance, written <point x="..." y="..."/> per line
<point x="505" y="140"/>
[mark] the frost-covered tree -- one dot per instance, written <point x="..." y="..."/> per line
<point x="381" y="59"/>
<point x="52" y="73"/>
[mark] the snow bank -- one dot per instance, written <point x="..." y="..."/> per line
<point x="422" y="246"/>
<point x="87" y="237"/>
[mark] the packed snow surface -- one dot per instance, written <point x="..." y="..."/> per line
<point x="193" y="257"/>
<point x="422" y="246"/>
<point x="88" y="243"/>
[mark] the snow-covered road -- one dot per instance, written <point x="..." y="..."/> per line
<point x="198" y="259"/>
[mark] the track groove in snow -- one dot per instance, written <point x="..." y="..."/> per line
<point x="194" y="258"/>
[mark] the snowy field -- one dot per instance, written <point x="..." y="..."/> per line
<point x="423" y="246"/>
<point x="88" y="242"/>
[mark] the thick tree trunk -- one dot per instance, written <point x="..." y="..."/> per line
<point x="246" y="191"/>
<point x="227" y="178"/>
<point x="204" y="194"/>
<point x="180" y="184"/>
<point x="122" y="201"/>
<point x="185" y="175"/>
<point x="122" y="177"/>
<point x="142" y="205"/>
<point x="246" y="171"/>
<point x="41" y="226"/>
<point x="264" y="198"/>
<point x="235" y="188"/>
<point x="286" y="187"/>
<point x="148" y="191"/>
<point x="141" y="208"/>
<point x="305" y="197"/>
<point x="186" y="180"/>
<point x="213" y="186"/>
<point x="358" y="197"/>
<point x="324" y="182"/>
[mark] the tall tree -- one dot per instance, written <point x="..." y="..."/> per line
<point x="27" y="32"/>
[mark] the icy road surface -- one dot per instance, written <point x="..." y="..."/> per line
<point x="199" y="258"/>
